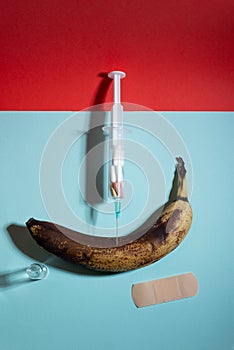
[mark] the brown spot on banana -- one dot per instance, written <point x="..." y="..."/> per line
<point x="100" y="253"/>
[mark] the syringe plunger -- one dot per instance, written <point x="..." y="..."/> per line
<point x="117" y="75"/>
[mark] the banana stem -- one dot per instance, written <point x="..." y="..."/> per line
<point x="181" y="172"/>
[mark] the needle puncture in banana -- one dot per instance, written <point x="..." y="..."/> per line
<point x="156" y="239"/>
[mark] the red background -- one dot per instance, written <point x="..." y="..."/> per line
<point x="178" y="54"/>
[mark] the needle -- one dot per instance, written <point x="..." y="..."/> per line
<point x="117" y="231"/>
<point x="117" y="214"/>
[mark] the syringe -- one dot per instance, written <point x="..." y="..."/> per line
<point x="116" y="148"/>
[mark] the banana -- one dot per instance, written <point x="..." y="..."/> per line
<point x="158" y="236"/>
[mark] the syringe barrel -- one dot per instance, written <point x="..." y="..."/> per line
<point x="117" y="115"/>
<point x="117" y="142"/>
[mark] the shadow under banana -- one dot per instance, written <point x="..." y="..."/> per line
<point x="157" y="237"/>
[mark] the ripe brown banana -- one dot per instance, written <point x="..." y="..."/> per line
<point x="156" y="239"/>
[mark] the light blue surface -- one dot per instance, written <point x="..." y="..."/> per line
<point x="75" y="309"/>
